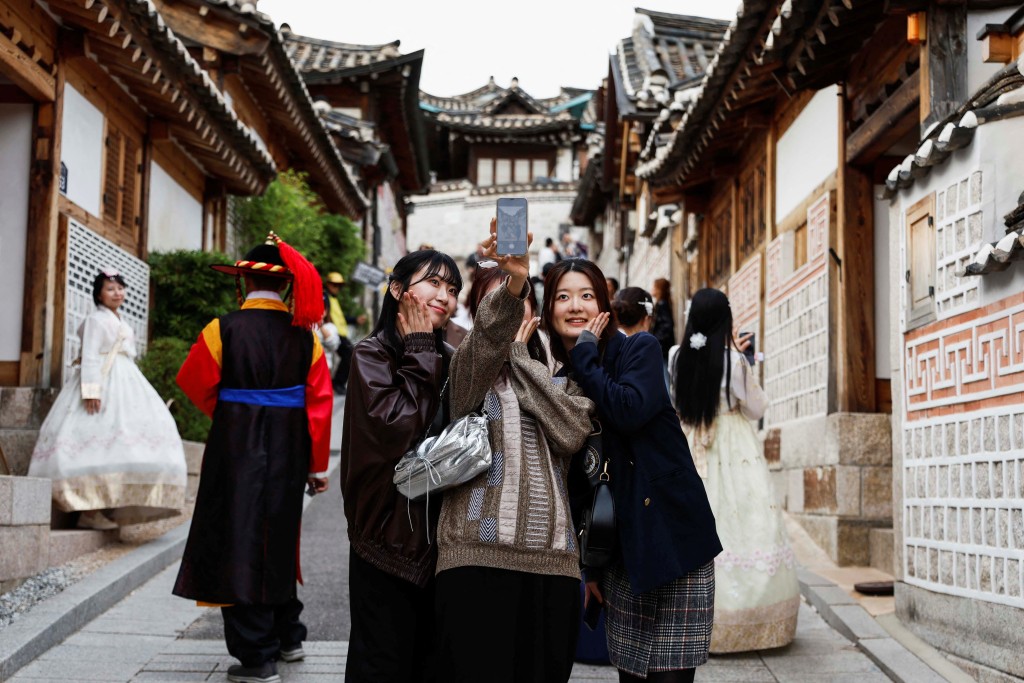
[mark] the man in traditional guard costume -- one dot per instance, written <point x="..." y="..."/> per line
<point x="261" y="374"/>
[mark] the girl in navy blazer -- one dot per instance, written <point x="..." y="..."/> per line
<point x="659" y="593"/>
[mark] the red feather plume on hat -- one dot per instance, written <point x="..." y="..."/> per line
<point x="307" y="290"/>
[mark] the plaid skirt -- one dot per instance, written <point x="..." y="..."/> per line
<point x="666" y="629"/>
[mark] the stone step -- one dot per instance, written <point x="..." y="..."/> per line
<point x="67" y="544"/>
<point x="17" y="445"/>
<point x="882" y="543"/>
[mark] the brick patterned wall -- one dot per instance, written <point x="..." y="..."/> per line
<point x="963" y="445"/>
<point x="649" y="262"/>
<point x="796" y="340"/>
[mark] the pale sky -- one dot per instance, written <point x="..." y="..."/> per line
<point x="545" y="43"/>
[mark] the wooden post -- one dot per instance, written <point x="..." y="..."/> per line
<point x="41" y="246"/>
<point x="854" y="283"/>
<point x="943" y="63"/>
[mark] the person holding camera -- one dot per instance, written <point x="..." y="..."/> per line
<point x="508" y="567"/>
<point x="659" y="588"/>
<point x="717" y="395"/>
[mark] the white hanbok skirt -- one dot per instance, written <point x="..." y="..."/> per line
<point x="757" y="596"/>
<point x="127" y="458"/>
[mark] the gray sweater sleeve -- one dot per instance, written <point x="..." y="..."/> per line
<point x="562" y="410"/>
<point x="478" y="360"/>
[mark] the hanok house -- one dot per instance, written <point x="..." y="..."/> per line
<point x="500" y="142"/>
<point x="956" y="210"/>
<point x="782" y="167"/>
<point x="120" y="137"/>
<point x="653" y="77"/>
<point x="368" y="98"/>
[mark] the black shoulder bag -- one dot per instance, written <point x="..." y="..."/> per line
<point x="597" y="528"/>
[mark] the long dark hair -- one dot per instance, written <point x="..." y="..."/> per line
<point x="628" y="306"/>
<point x="597" y="282"/>
<point x="438" y="264"/>
<point x="484" y="280"/>
<point x="699" y="371"/>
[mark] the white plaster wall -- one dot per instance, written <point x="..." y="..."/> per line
<point x="393" y="244"/>
<point x="81" y="150"/>
<point x="455" y="222"/>
<point x="16" y="156"/>
<point x="175" y="216"/>
<point x="978" y="71"/>
<point x="563" y="165"/>
<point x="883" y="362"/>
<point x="808" y="152"/>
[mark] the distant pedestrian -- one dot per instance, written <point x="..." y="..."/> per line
<point x="634" y="311"/>
<point x="508" y="582"/>
<point x="109" y="443"/>
<point x="549" y="254"/>
<point x="716" y="394"/>
<point x="261" y="374"/>
<point x="394" y="398"/>
<point x="613" y="287"/>
<point x="336" y="315"/>
<point x="664" y="327"/>
<point x="659" y="591"/>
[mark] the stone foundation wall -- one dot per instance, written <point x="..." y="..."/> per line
<point x="837" y="479"/>
<point x="22" y="411"/>
<point x="24" y="528"/>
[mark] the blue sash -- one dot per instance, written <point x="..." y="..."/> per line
<point x="288" y="397"/>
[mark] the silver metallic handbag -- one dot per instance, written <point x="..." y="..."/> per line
<point x="458" y="454"/>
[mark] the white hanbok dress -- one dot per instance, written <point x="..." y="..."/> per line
<point x="756" y="592"/>
<point x="128" y="457"/>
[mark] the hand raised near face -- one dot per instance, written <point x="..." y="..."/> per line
<point x="413" y="315"/>
<point x="598" y="323"/>
<point x="743" y="341"/>
<point x="526" y="329"/>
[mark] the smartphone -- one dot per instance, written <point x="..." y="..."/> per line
<point x="512" y="226"/>
<point x="749" y="353"/>
<point x="592" y="614"/>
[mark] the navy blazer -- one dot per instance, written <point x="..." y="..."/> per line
<point x="666" y="527"/>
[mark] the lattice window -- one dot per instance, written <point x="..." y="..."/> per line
<point x="751" y="209"/>
<point x="719" y="239"/>
<point x="122" y="183"/>
<point x="87" y="253"/>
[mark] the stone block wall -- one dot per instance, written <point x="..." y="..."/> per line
<point x="24" y="528"/>
<point x="22" y="411"/>
<point x="838" y="480"/>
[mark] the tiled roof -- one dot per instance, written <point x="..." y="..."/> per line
<point x="664" y="52"/>
<point x="1000" y="98"/>
<point x="491" y="96"/>
<point x="316" y="55"/>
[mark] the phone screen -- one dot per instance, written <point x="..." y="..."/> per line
<point x="512" y="226"/>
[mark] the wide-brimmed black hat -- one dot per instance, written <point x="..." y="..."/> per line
<point x="263" y="259"/>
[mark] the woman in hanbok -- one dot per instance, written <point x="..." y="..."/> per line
<point x="716" y="396"/>
<point x="109" y="443"/>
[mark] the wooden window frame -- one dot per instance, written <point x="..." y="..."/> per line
<point x="750" y="206"/>
<point x="718" y="240"/>
<point x="922" y="217"/>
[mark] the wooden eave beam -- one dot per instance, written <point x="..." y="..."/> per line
<point x="211" y="29"/>
<point x="880" y="130"/>
<point x="26" y="73"/>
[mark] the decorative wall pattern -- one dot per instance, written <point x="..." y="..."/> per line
<point x="745" y="296"/>
<point x="796" y="342"/>
<point x="963" y="504"/>
<point x="87" y="253"/>
<point x="969" y="362"/>
<point x="958" y="236"/>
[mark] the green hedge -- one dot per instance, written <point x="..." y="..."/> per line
<point x="188" y="293"/>
<point x="160" y="366"/>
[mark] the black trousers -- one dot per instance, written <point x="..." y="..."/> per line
<point x="256" y="633"/>
<point x="392" y="637"/>
<point x="505" y="626"/>
<point x="343" y="364"/>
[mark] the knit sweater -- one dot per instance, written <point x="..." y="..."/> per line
<point x="516" y="515"/>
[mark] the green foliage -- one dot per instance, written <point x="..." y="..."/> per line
<point x="292" y="210"/>
<point x="160" y="366"/>
<point x="188" y="293"/>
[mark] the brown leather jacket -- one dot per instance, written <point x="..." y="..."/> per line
<point x="392" y="399"/>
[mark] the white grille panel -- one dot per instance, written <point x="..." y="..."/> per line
<point x="87" y="253"/>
